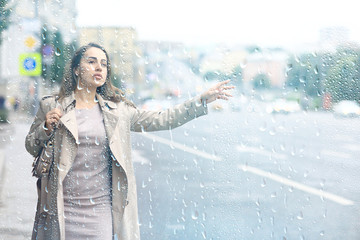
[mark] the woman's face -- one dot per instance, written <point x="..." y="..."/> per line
<point x="92" y="71"/>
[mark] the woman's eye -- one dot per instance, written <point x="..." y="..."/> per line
<point x="91" y="62"/>
<point x="103" y="65"/>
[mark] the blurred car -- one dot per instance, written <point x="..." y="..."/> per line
<point x="237" y="102"/>
<point x="234" y="104"/>
<point x="4" y="112"/>
<point x="218" y="106"/>
<point x="283" y="106"/>
<point x="347" y="108"/>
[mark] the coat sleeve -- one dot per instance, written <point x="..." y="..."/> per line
<point x="37" y="137"/>
<point x="142" y="120"/>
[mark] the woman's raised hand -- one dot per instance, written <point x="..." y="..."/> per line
<point x="52" y="119"/>
<point x="219" y="91"/>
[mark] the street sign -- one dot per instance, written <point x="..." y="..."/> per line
<point x="30" y="42"/>
<point x="30" y="64"/>
<point x="48" y="53"/>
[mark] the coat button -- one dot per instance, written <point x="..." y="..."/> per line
<point x="37" y="142"/>
<point x="127" y="202"/>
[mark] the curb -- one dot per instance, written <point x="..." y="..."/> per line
<point x="2" y="164"/>
<point x="2" y="172"/>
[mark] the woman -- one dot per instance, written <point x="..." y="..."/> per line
<point x="90" y="192"/>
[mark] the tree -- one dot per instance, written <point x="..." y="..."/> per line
<point x="55" y="63"/>
<point x="57" y="68"/>
<point x="46" y="42"/>
<point x="304" y="74"/>
<point x="211" y="75"/>
<point x="343" y="80"/>
<point x="5" y="12"/>
<point x="261" y="81"/>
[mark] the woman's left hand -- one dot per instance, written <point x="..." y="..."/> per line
<point x="219" y="91"/>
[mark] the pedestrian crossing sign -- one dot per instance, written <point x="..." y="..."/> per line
<point x="30" y="64"/>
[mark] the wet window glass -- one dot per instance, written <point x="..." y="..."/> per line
<point x="164" y="147"/>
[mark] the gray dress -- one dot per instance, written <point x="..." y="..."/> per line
<point x="87" y="192"/>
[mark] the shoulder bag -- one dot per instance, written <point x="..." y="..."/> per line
<point x="43" y="162"/>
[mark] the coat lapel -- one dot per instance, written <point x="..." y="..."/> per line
<point x="68" y="118"/>
<point x="110" y="117"/>
<point x="69" y="121"/>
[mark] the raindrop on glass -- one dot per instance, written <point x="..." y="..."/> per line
<point x="195" y="215"/>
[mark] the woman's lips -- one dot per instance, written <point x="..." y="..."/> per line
<point x="98" y="76"/>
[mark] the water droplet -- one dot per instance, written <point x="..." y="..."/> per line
<point x="300" y="216"/>
<point x="58" y="52"/>
<point x="322" y="183"/>
<point x="78" y="85"/>
<point x="282" y="147"/>
<point x="203" y="234"/>
<point x="195" y="215"/>
<point x="272" y="131"/>
<point x="262" y="128"/>
<point x="263" y="184"/>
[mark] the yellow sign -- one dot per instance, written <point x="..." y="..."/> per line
<point x="30" y="42"/>
<point x="30" y="64"/>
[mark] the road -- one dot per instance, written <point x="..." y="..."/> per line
<point x="251" y="176"/>
<point x="240" y="175"/>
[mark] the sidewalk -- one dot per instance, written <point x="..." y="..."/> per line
<point x="2" y="172"/>
<point x="17" y="186"/>
<point x="7" y="131"/>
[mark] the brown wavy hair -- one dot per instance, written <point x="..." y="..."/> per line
<point x="107" y="90"/>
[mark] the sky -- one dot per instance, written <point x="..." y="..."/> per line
<point x="270" y="23"/>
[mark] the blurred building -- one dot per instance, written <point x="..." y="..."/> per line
<point x="121" y="45"/>
<point x="271" y="63"/>
<point x="223" y="60"/>
<point x="57" y="15"/>
<point x="169" y="70"/>
<point x="24" y="36"/>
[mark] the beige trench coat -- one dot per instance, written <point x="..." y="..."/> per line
<point x="119" y="120"/>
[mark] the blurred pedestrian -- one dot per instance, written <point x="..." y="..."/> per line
<point x="16" y="104"/>
<point x="90" y="192"/>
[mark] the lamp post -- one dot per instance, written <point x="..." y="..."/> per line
<point x="36" y="78"/>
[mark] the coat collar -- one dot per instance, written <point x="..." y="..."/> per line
<point x="69" y="117"/>
<point x="68" y="103"/>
